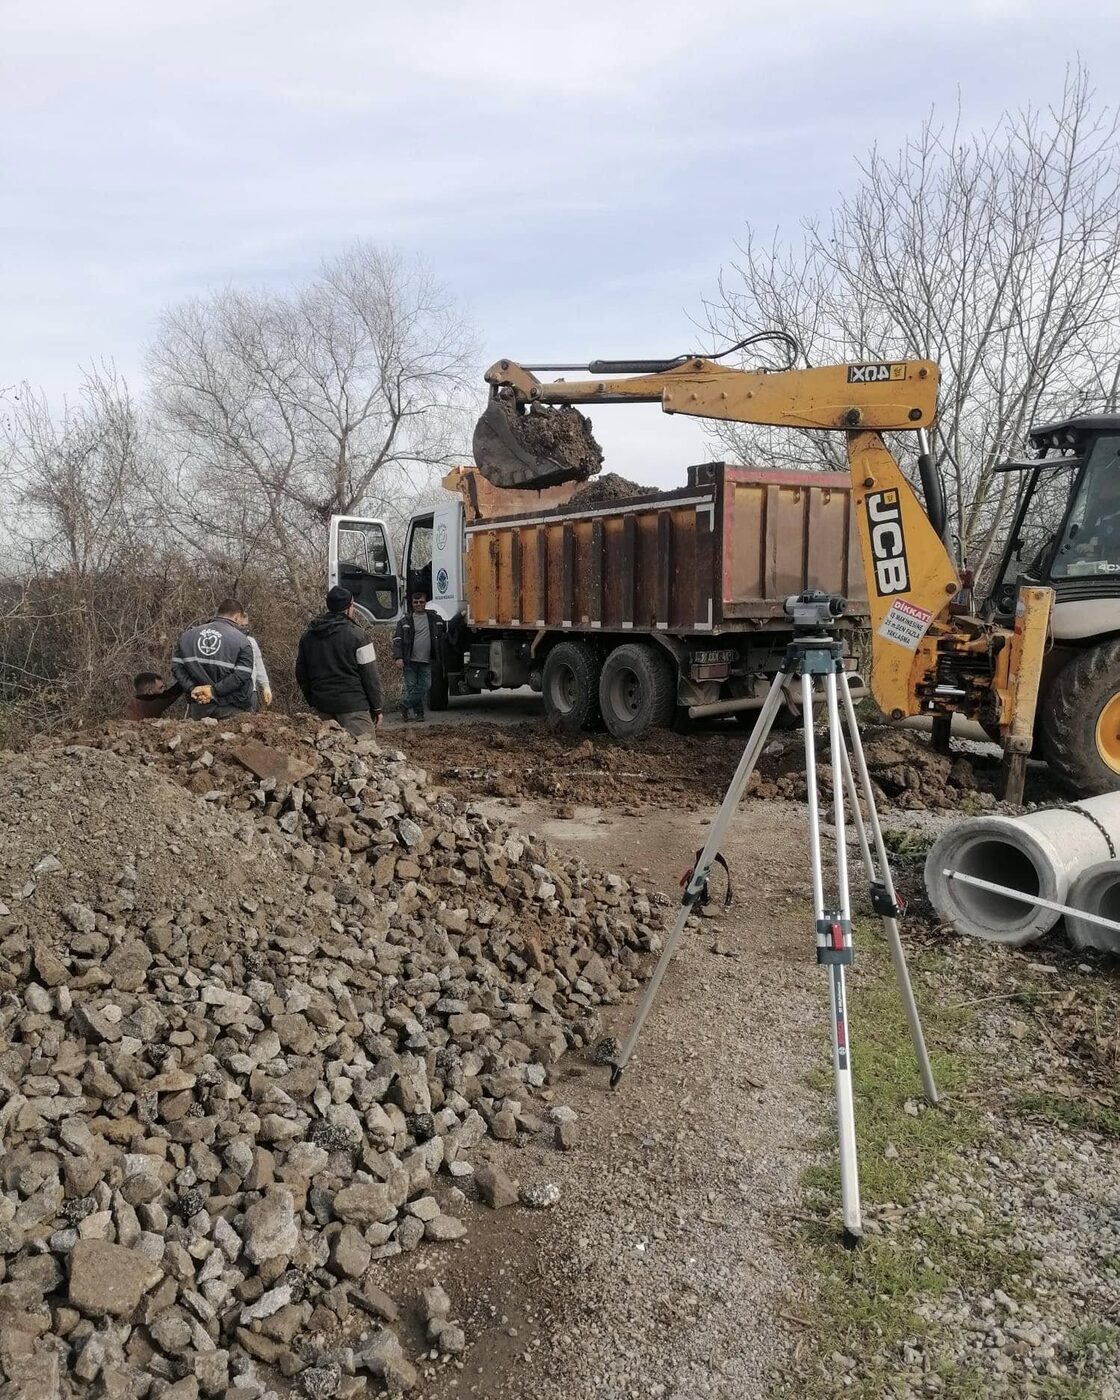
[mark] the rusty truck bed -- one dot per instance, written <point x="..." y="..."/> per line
<point x="720" y="554"/>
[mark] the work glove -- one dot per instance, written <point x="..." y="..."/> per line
<point x="266" y="696"/>
<point x="202" y="694"/>
<point x="399" y="664"/>
<point x="377" y="720"/>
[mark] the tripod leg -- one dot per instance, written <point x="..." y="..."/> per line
<point x="879" y="872"/>
<point x="841" y="920"/>
<point x="695" y="886"/>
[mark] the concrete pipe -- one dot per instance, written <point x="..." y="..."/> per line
<point x="1039" y="853"/>
<point x="1096" y="891"/>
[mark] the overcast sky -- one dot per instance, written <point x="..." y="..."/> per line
<point x="575" y="174"/>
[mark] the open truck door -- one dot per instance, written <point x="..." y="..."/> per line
<point x="433" y="556"/>
<point x="360" y="558"/>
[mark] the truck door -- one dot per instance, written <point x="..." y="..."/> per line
<point x="360" y="558"/>
<point x="434" y="558"/>
<point x="447" y="560"/>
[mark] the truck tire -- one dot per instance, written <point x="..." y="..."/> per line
<point x="637" y="692"/>
<point x="570" y="686"/>
<point x="1081" y="722"/>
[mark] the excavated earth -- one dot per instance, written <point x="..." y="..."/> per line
<point x="667" y="770"/>
<point x="609" y="487"/>
<point x="262" y="1010"/>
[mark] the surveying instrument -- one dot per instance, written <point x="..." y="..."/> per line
<point x="815" y="652"/>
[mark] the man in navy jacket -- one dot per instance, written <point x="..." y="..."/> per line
<point x="213" y="663"/>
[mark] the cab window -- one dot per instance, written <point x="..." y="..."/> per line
<point x="1090" y="543"/>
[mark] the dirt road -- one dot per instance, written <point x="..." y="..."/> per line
<point x="665" y="1269"/>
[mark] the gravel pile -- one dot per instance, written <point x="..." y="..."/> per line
<point x="251" y="1032"/>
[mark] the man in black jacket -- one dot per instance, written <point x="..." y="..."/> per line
<point x="416" y="642"/>
<point x="336" y="668"/>
<point x="213" y="663"/>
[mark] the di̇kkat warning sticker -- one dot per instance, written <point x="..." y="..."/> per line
<point x="904" y="624"/>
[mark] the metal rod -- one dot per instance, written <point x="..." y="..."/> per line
<point x="695" y="886"/>
<point x="890" y="924"/>
<point x="1022" y="898"/>
<point x="837" y="990"/>
<point x="750" y="702"/>
<point x="815" y="874"/>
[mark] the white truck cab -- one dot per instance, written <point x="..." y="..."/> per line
<point x="361" y="558"/>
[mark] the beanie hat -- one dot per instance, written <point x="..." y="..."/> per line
<point x="339" y="599"/>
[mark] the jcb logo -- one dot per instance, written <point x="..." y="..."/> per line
<point x="888" y="546"/>
<point x="874" y="374"/>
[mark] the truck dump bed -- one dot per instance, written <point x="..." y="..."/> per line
<point x="721" y="554"/>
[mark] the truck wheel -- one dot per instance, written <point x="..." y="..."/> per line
<point x="1081" y="722"/>
<point x="637" y="691"/>
<point x="570" y="686"/>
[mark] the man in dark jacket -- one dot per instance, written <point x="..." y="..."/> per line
<point x="416" y="641"/>
<point x="336" y="668"/>
<point x="213" y="662"/>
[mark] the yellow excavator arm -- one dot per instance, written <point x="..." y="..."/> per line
<point x="925" y="657"/>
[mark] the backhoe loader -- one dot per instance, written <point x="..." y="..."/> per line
<point x="931" y="653"/>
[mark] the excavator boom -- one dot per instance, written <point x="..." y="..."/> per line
<point x="530" y="435"/>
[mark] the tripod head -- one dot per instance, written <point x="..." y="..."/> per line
<point x="814" y="610"/>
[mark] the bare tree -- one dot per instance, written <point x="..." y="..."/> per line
<point x="997" y="255"/>
<point x="283" y="410"/>
<point x="90" y="587"/>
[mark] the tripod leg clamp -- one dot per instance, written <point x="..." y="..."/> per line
<point x="883" y="904"/>
<point x="834" y="939"/>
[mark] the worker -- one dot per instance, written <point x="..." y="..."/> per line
<point x="151" y="696"/>
<point x="336" y="668"/>
<point x="416" y="640"/>
<point x="213" y="662"/>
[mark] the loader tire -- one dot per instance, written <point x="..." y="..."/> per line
<point x="637" y="692"/>
<point x="570" y="686"/>
<point x="1081" y="722"/>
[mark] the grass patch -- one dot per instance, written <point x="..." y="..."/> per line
<point x="868" y="1295"/>
<point x="1102" y="1335"/>
<point x="1074" y="1113"/>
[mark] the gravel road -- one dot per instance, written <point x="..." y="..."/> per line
<point x="665" y="1269"/>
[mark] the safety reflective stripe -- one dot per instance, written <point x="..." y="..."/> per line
<point x="366" y="654"/>
<point x="214" y="661"/>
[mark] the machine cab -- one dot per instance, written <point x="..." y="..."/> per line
<point x="360" y="558"/>
<point x="1066" y="529"/>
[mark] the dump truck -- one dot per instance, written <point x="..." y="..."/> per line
<point x="626" y="613"/>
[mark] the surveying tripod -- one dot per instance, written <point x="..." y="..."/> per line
<point x="815" y="651"/>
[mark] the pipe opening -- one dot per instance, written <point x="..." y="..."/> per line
<point x="1003" y="864"/>
<point x="1107" y="903"/>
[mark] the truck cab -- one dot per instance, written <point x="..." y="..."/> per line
<point x="361" y="558"/>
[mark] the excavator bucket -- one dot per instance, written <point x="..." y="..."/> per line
<point x="535" y="448"/>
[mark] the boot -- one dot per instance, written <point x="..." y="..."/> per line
<point x="405" y="716"/>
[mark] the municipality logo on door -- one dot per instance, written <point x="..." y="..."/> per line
<point x="209" y="641"/>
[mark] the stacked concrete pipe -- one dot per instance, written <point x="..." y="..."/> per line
<point x="1096" y="891"/>
<point x="1040" y="853"/>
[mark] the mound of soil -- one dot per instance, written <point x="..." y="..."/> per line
<point x="668" y="769"/>
<point x="610" y="487"/>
